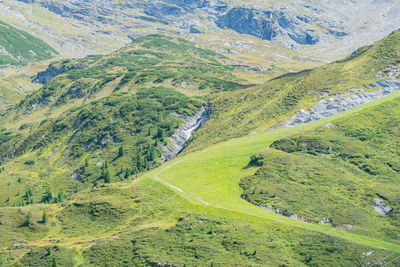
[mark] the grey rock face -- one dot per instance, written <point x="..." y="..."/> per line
<point x="51" y="72"/>
<point x="268" y="25"/>
<point x="27" y="1"/>
<point x="291" y="23"/>
<point x="287" y="214"/>
<point x="81" y="10"/>
<point x="339" y="103"/>
<point x="176" y="143"/>
<point x="381" y="208"/>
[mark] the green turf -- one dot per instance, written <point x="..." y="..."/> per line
<point x="213" y="176"/>
<point x="21" y="48"/>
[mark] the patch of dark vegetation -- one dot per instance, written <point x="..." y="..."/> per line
<point x="48" y="256"/>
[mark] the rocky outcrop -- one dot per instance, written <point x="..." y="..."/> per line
<point x="81" y="10"/>
<point x="287" y="214"/>
<point x="339" y="103"/>
<point x="27" y="1"/>
<point x="53" y="71"/>
<point x="344" y="226"/>
<point x="268" y="25"/>
<point x="176" y="143"/>
<point x="381" y="208"/>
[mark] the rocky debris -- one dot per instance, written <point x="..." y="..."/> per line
<point x="20" y="245"/>
<point x="185" y="85"/>
<point x="176" y="143"/>
<point x="250" y="68"/>
<point x="339" y="34"/>
<point x="284" y="213"/>
<point x="325" y="221"/>
<point x="367" y="254"/>
<point x="76" y="176"/>
<point x="381" y="208"/>
<point x="328" y="125"/>
<point x="339" y="103"/>
<point x="27" y="1"/>
<point x="294" y="216"/>
<point x="227" y="51"/>
<point x="81" y="10"/>
<point x="344" y="226"/>
<point x="75" y="92"/>
<point x="193" y="29"/>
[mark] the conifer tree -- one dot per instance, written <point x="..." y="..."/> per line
<point x="126" y="176"/>
<point x="120" y="152"/>
<point x="61" y="196"/>
<point x="45" y="218"/>
<point x="28" y="221"/>
<point x="107" y="177"/>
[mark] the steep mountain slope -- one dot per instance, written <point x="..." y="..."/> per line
<point x="369" y="69"/>
<point x="321" y="30"/>
<point x="344" y="174"/>
<point x="105" y="118"/>
<point x="143" y="222"/>
<point x="292" y="23"/>
<point x="82" y="183"/>
<point x="18" y="48"/>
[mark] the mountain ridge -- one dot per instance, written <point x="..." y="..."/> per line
<point x="165" y="140"/>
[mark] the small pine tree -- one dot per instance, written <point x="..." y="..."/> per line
<point x="106" y="164"/>
<point x="139" y="162"/>
<point x="120" y="152"/>
<point x="61" y="196"/>
<point x="126" y="176"/>
<point x="107" y="179"/>
<point x="28" y="221"/>
<point x="86" y="163"/>
<point x="135" y="170"/>
<point x="54" y="262"/>
<point x="103" y="173"/>
<point x="48" y="195"/>
<point x="45" y="217"/>
<point x="160" y="134"/>
<point x="151" y="153"/>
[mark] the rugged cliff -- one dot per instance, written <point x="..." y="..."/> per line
<point x="176" y="143"/>
<point x="269" y="25"/>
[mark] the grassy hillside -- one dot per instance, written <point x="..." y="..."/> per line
<point x="257" y="108"/>
<point x="104" y="118"/>
<point x="81" y="182"/>
<point x="143" y="222"/>
<point x="18" y="48"/>
<point x="335" y="172"/>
